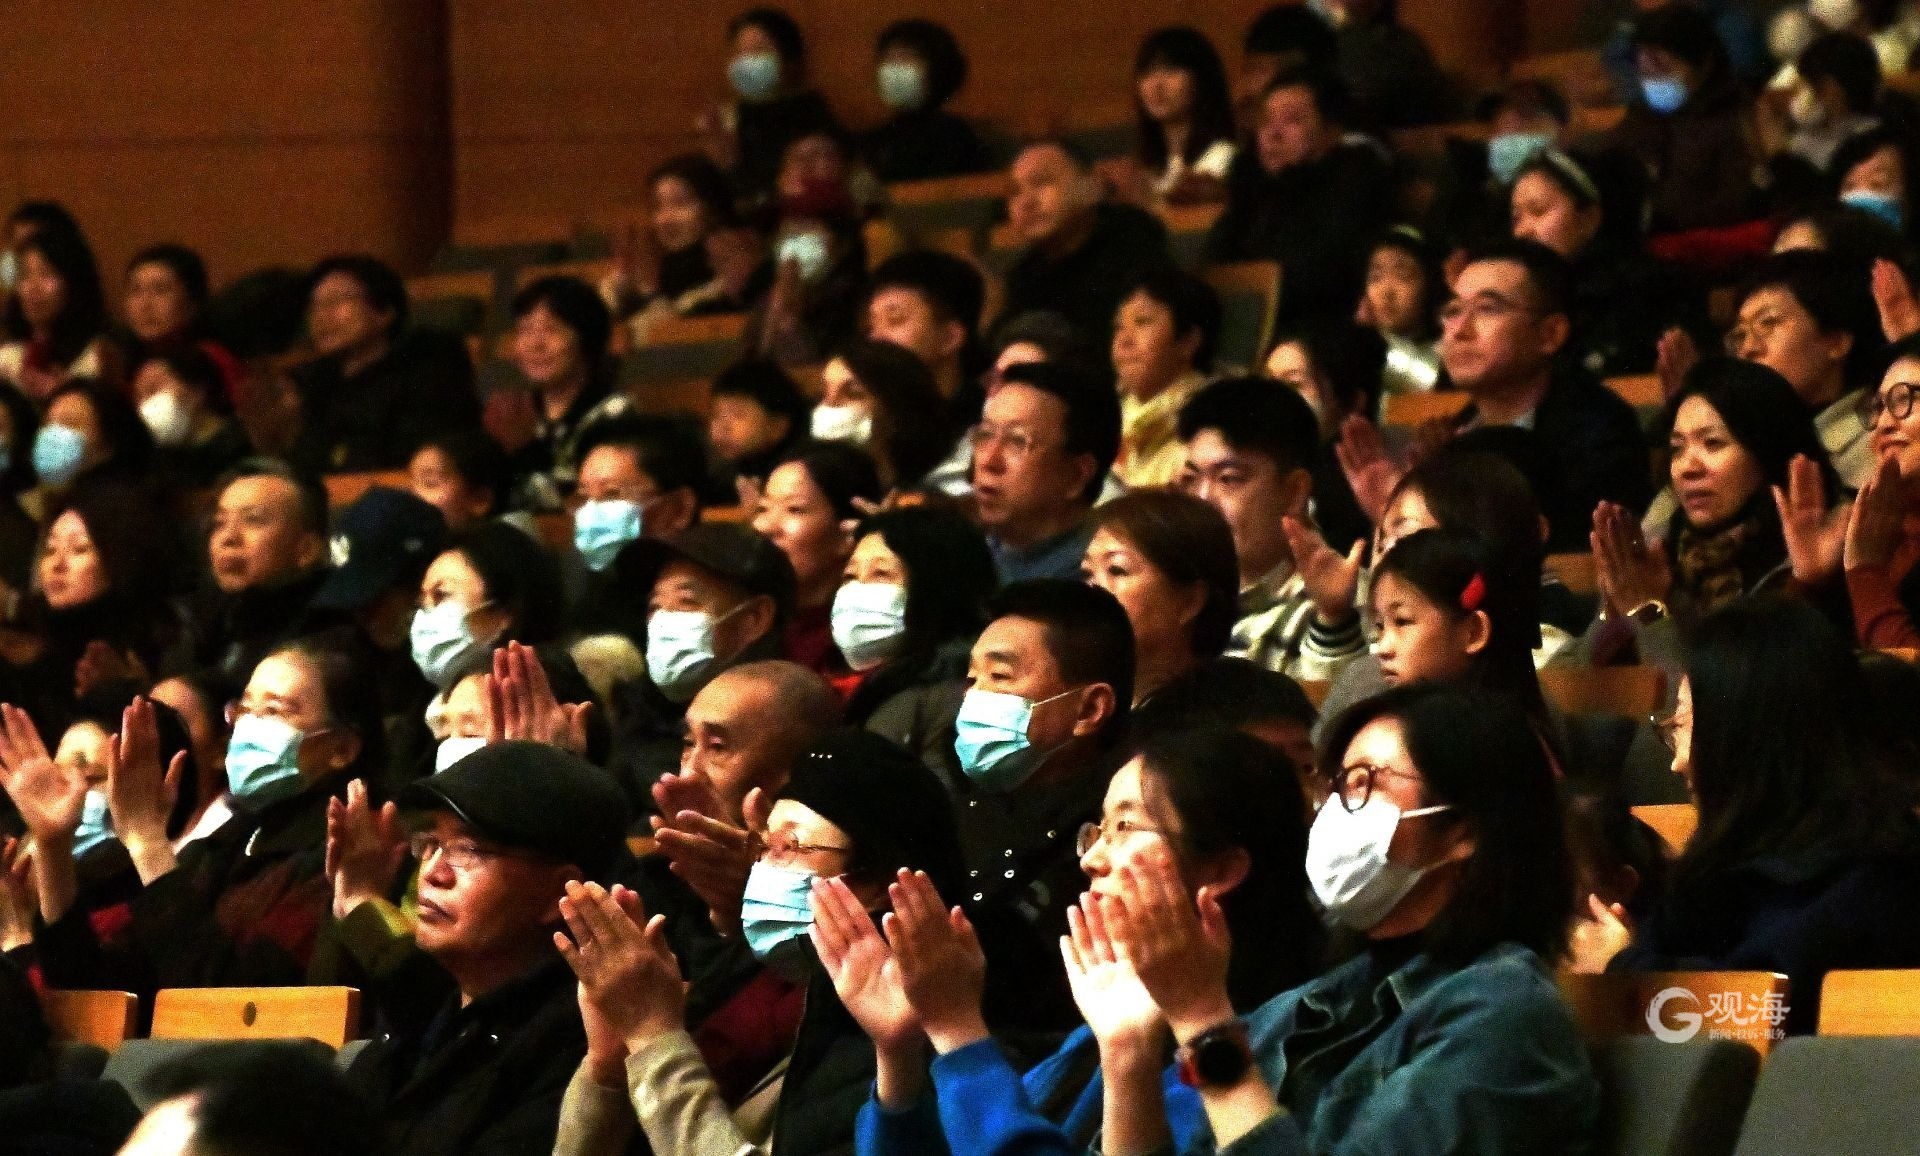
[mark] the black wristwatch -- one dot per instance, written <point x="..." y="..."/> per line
<point x="1216" y="1058"/>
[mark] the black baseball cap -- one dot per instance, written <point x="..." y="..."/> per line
<point x="532" y="797"/>
<point x="735" y="552"/>
<point x="384" y="540"/>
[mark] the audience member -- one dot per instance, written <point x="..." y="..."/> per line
<point x="1041" y="453"/>
<point x="1168" y="559"/>
<point x="1388" y="68"/>
<point x="166" y="300"/>
<point x="694" y="256"/>
<point x="1402" y="304"/>
<point x="1163" y="339"/>
<point x="756" y="415"/>
<point x="55" y="316"/>
<point x="1339" y="369"/>
<point x="275" y="1096"/>
<point x="1874" y="171"/>
<point x="638" y="475"/>
<point x="918" y="68"/>
<point x="880" y="397"/>
<point x="1184" y="139"/>
<point x="819" y="288"/>
<point x="930" y="302"/>
<point x="774" y="103"/>
<point x="1238" y="694"/>
<point x="1883" y="533"/>
<point x="467" y="476"/>
<point x="808" y="509"/>
<point x="182" y="396"/>
<point x="561" y="330"/>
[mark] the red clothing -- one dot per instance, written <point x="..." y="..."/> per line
<point x="1879" y="618"/>
<point x="747" y="1035"/>
<point x="809" y="640"/>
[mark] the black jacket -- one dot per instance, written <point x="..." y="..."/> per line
<point x="1087" y="285"/>
<point x="228" y="634"/>
<point x="922" y="145"/>
<point x="377" y="418"/>
<point x="483" y="1079"/>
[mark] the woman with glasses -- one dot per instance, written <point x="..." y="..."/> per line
<point x="1807" y="846"/>
<point x="781" y="1068"/>
<point x="1443" y="848"/>
<point x="1883" y="534"/>
<point x="1221" y="811"/>
<point x="242" y="906"/>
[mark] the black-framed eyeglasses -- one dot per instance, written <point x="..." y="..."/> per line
<point x="1895" y="399"/>
<point x="1354" y="785"/>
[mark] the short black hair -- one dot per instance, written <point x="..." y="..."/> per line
<point x="1047" y="331"/>
<point x="1547" y="271"/>
<point x="1837" y="293"/>
<point x="1331" y="97"/>
<point x="1850" y="62"/>
<point x="1686" y="32"/>
<point x="478" y="460"/>
<point x="934" y="44"/>
<point x="1087" y="634"/>
<point x="1528" y="98"/>
<point x="122" y="431"/>
<point x="1227" y="692"/>
<point x="669" y="450"/>
<point x="843" y="473"/>
<point x="1081" y="159"/>
<point x="1254" y="415"/>
<point x="182" y="262"/>
<point x="193" y="367"/>
<point x="951" y="287"/>
<point x="765" y="383"/>
<point x="1478" y="754"/>
<point x="1291" y="29"/>
<point x="707" y="182"/>
<point x="780" y="28"/>
<point x="385" y="291"/>
<point x="579" y="307"/>
<point x="1193" y="303"/>
<point x="1092" y="423"/>
<point x="1351" y="358"/>
<point x="277" y="1098"/>
<point x="311" y="490"/>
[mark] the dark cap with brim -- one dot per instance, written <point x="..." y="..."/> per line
<point x="532" y="796"/>
<point x="734" y="552"/>
<point x="383" y="541"/>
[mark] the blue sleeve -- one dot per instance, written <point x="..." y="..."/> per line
<point x="913" y="1131"/>
<point x="984" y="1108"/>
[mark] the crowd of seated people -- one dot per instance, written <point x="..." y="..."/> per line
<point x="1014" y="711"/>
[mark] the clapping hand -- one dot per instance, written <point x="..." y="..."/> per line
<point x="365" y="849"/>
<point x="715" y="857"/>
<point x="521" y="703"/>
<point x="1371" y="473"/>
<point x="1893" y="295"/>
<point x="1598" y="935"/>
<point x="630" y="986"/>
<point x="48" y="796"/>
<point x="1815" y="537"/>
<point x="1331" y="579"/>
<point x="1630" y="570"/>
<point x="863" y="968"/>
<point x="19" y="902"/>
<point x="1178" y="944"/>
<point x="1873" y="527"/>
<point x="1106" y="988"/>
<point x="942" y="968"/>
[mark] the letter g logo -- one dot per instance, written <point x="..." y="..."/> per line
<point x="1688" y="1021"/>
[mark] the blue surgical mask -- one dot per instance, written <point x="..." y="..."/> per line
<point x="452" y="750"/>
<point x="1663" y="94"/>
<point x="868" y="620"/>
<point x="754" y="75"/>
<point x="96" y="824"/>
<point x="57" y="453"/>
<point x="444" y="647"/>
<point x="602" y="529"/>
<point x="680" y="652"/>
<point x="263" y="761"/>
<point x="990" y="736"/>
<point x="774" y="909"/>
<point x="1508" y="151"/>
<point x="903" y="85"/>
<point x="1878" y="204"/>
<point x="807" y="250"/>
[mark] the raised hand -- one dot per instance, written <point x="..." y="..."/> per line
<point x="509" y="416"/>
<point x="1673" y="357"/>
<point x="862" y="966"/>
<point x="1598" y="935"/>
<point x="365" y="849"/>
<point x="19" y="902"/>
<point x="1631" y="571"/>
<point x="630" y="986"/>
<point x="1371" y="473"/>
<point x="688" y="791"/>
<point x="715" y="857"/>
<point x="636" y="259"/>
<point x="942" y="968"/>
<point x="1178" y="944"/>
<point x="1331" y="579"/>
<point x="1815" y="536"/>
<point x="139" y="793"/>
<point x="47" y="795"/>
<point x="522" y="704"/>
<point x="1899" y="311"/>
<point x="1105" y="986"/>
<point x="1873" y="528"/>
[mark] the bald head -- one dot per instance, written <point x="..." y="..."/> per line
<point x="745" y="728"/>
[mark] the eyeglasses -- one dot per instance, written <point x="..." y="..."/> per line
<point x="459" y="854"/>
<point x="1760" y="328"/>
<point x="1112" y="832"/>
<point x="1017" y="443"/>
<point x="1483" y="310"/>
<point x="784" y="847"/>
<point x="1896" y="399"/>
<point x="1668" y="725"/>
<point x="1354" y="784"/>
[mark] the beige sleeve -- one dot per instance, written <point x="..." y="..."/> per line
<point x="595" y="1120"/>
<point x="679" y="1106"/>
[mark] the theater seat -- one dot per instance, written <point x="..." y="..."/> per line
<point x="1837" y="1096"/>
<point x="1662" y="1099"/>
<point x="1870" y="1003"/>
<point x="328" y="1014"/>
<point x="132" y="1066"/>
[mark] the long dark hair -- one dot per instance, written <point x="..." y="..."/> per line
<point x="1188" y="50"/>
<point x="1476" y="754"/>
<point x="1487" y="494"/>
<point x="83" y="314"/>
<point x="1230" y="791"/>
<point x="1785" y="761"/>
<point x="912" y="431"/>
<point x="950" y="577"/>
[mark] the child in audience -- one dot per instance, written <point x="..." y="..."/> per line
<point x="1402" y="303"/>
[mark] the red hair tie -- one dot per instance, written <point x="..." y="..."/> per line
<point x="1474" y="594"/>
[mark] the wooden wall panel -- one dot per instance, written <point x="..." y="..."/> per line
<point x="258" y="133"/>
<point x="559" y="111"/>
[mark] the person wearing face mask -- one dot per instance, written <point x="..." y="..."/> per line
<point x="182" y="395"/>
<point x="243" y="905"/>
<point x="1688" y="124"/>
<point x="1874" y="171"/>
<point x="918" y="68"/>
<point x="90" y="431"/>
<point x="1220" y="807"/>
<point x="773" y="102"/>
<point x="912" y="599"/>
<point x="881" y="396"/>
<point x="1024" y="745"/>
<point x="640" y="475"/>
<point x="819" y="252"/>
<point x="719" y="595"/>
<point x="808" y="509"/>
<point x="1441" y="844"/>
<point x="1829" y="95"/>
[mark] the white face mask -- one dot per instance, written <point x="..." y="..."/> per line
<point x="841" y="423"/>
<point x="454" y="748"/>
<point x="868" y="621"/>
<point x="1347" y="861"/>
<point x="171" y="422"/>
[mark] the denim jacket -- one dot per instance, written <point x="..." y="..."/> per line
<point x="1482" y="1059"/>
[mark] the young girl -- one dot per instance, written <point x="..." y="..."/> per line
<point x="1404" y="289"/>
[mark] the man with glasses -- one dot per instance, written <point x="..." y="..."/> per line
<point x="1041" y="453"/>
<point x="639" y="477"/>
<point x="483" y="1067"/>
<point x="1501" y="338"/>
